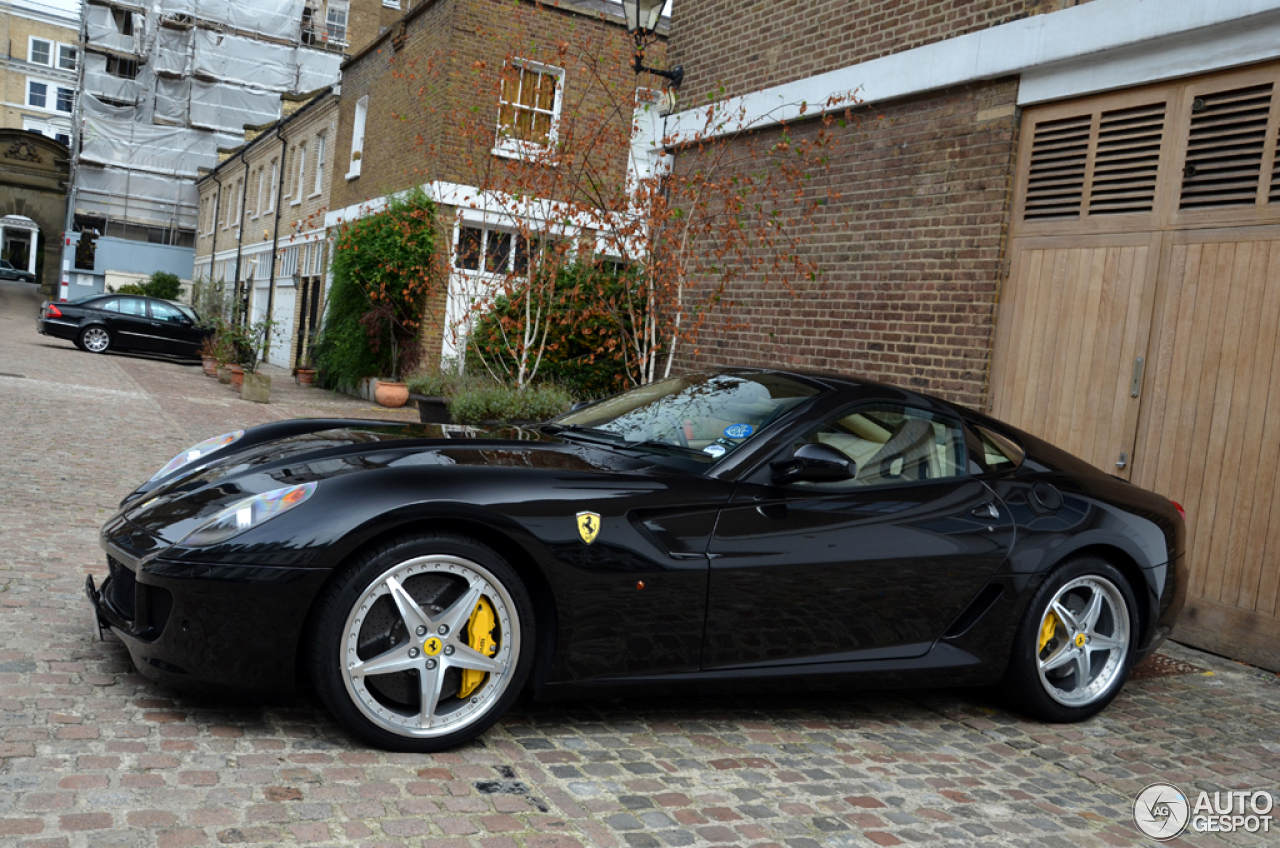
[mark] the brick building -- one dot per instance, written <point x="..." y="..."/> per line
<point x="445" y="65"/>
<point x="1064" y="212"/>
<point x="261" y="221"/>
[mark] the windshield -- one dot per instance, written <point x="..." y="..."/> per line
<point x="706" y="415"/>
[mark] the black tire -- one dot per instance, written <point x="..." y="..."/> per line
<point x="419" y="652"/>
<point x="95" y="339"/>
<point x="1081" y="676"/>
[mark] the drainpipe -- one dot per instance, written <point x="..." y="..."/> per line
<point x="244" y="196"/>
<point x="275" y="235"/>
<point x="217" y="210"/>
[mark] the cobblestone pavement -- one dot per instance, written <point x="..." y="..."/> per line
<point x="91" y="754"/>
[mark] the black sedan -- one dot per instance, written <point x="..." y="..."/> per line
<point x="726" y="531"/>
<point x="103" y="322"/>
<point x="8" y="272"/>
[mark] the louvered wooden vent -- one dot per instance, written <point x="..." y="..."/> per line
<point x="1274" y="196"/>
<point x="1055" y="185"/>
<point x="1225" y="147"/>
<point x="1127" y="160"/>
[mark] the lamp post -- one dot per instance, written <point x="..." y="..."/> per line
<point x="642" y="22"/>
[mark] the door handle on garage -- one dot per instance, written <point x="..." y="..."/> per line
<point x="987" y="511"/>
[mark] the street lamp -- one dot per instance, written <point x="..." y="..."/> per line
<point x="642" y="22"/>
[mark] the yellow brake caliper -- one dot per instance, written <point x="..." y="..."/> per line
<point x="480" y="637"/>
<point x="1047" y="629"/>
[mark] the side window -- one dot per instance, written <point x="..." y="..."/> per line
<point x="165" y="312"/>
<point x="892" y="444"/>
<point x="133" y="306"/>
<point x="997" y="453"/>
<point x="112" y="305"/>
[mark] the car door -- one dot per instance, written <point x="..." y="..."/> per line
<point x="174" y="331"/>
<point x="128" y="321"/>
<point x="874" y="567"/>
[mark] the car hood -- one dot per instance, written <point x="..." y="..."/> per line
<point x="177" y="507"/>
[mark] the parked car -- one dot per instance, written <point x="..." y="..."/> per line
<point x="729" y="530"/>
<point x="103" y="322"/>
<point x="8" y="272"/>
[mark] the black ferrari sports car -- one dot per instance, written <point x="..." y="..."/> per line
<point x="732" y="530"/>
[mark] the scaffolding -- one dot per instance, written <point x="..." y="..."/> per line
<point x="166" y="83"/>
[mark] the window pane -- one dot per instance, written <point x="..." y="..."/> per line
<point x="112" y="305"/>
<point x="64" y="138"/>
<point x="541" y="128"/>
<point x="892" y="445"/>
<point x="37" y="95"/>
<point x="468" y="249"/>
<point x="528" y="88"/>
<point x="547" y="92"/>
<point x="497" y="252"/>
<point x="165" y="312"/>
<point x="133" y="306"/>
<point x="66" y="99"/>
<point x="67" y="58"/>
<point x="41" y="52"/>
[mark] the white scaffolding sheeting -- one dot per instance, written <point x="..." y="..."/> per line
<point x="234" y="58"/>
<point x="172" y="151"/>
<point x="138" y="197"/>
<point x="105" y="32"/>
<point x="230" y="108"/>
<point x="272" y="18"/>
<point x="205" y="69"/>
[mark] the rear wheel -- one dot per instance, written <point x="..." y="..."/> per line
<point x="95" y="339"/>
<point x="423" y="643"/>
<point x="1076" y="643"/>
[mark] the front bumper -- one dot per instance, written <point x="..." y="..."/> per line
<point x="213" y="627"/>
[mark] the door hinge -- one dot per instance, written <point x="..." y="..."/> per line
<point x="1136" y="385"/>
<point x="1123" y="461"/>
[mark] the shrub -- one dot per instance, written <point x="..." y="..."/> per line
<point x="131" y="288"/>
<point x="163" y="285"/>
<point x="382" y="273"/>
<point x="504" y="403"/>
<point x="446" y="384"/>
<point x="583" y="350"/>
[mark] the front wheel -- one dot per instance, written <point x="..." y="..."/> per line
<point x="423" y="643"/>
<point x="95" y="339"/>
<point x="1076" y="643"/>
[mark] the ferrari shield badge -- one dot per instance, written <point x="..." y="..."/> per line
<point x="588" y="526"/>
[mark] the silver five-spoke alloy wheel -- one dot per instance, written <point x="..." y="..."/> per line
<point x="409" y="646"/>
<point x="95" y="339"/>
<point x="1083" y="641"/>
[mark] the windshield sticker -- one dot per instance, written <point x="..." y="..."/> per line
<point x="739" y="431"/>
<point x="714" y="450"/>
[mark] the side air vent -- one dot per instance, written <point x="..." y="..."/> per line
<point x="1127" y="160"/>
<point x="1059" y="152"/>
<point x="1225" y="147"/>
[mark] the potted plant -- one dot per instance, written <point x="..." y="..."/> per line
<point x="495" y="405"/>
<point x="209" y="356"/>
<point x="431" y="390"/>
<point x="305" y="373"/>
<point x="255" y="387"/>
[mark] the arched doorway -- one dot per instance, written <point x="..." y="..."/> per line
<point x="34" y="171"/>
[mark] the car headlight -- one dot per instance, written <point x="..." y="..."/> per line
<point x="195" y="452"/>
<point x="248" y="513"/>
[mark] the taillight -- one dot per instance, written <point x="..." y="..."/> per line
<point x="52" y="312"/>
<point x="1181" y="511"/>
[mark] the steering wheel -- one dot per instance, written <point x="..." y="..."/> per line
<point x="677" y="428"/>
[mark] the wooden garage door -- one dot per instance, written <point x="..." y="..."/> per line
<point x="1146" y="225"/>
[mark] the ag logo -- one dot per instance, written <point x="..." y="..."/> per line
<point x="1161" y="811"/>
<point x="588" y="526"/>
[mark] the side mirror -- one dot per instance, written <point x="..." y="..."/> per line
<point x="814" y="463"/>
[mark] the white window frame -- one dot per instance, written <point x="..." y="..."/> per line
<point x="300" y="173"/>
<point x="52" y="47"/>
<point x="271" y="186"/>
<point x="46" y="128"/>
<point x="57" y="91"/>
<point x="515" y="148"/>
<point x="75" y="63"/>
<point x="357" y="137"/>
<point x="289" y="261"/>
<point x="321" y="144"/>
<point x="48" y="90"/>
<point x="331" y="7"/>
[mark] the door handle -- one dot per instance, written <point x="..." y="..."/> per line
<point x="987" y="511"/>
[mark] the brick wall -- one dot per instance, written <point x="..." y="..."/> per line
<point x="749" y="45"/>
<point x="912" y="251"/>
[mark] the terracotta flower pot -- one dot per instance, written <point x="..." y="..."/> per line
<point x="306" y="376"/>
<point x="391" y="395"/>
<point x="210" y="366"/>
<point x="237" y="377"/>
